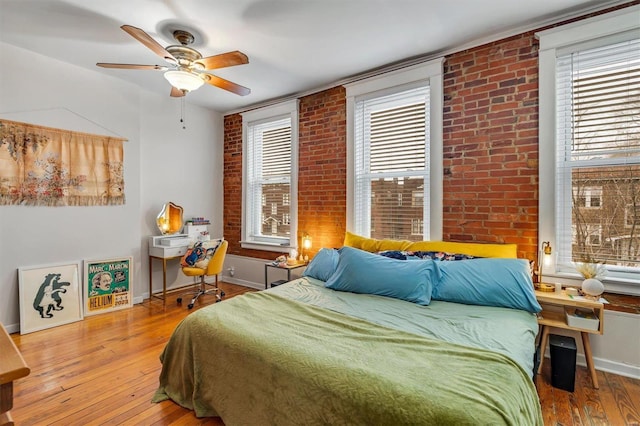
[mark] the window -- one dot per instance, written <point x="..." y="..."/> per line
<point x="588" y="197"/>
<point x="632" y="216"/>
<point x="394" y="138"/>
<point x="270" y="177"/>
<point x="417" y="227"/>
<point x="590" y="145"/>
<point x="417" y="197"/>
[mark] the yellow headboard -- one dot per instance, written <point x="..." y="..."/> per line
<point x="472" y="249"/>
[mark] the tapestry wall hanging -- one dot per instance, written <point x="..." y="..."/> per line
<point x="43" y="166"/>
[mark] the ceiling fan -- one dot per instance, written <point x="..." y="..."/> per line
<point x="187" y="68"/>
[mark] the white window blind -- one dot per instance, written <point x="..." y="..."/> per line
<point x="269" y="180"/>
<point x="598" y="155"/>
<point x="391" y="140"/>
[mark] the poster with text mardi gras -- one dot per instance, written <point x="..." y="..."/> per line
<point x="107" y="285"/>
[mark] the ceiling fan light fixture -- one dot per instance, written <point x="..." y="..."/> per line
<point x="183" y="80"/>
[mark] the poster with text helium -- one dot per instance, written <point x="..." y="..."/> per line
<point x="107" y="285"/>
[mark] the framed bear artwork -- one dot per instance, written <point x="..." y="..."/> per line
<point x="50" y="295"/>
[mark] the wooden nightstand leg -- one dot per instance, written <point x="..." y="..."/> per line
<point x="543" y="345"/>
<point x="586" y="344"/>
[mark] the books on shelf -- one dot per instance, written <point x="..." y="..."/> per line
<point x="582" y="318"/>
<point x="196" y="221"/>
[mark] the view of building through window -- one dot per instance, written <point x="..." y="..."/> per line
<point x="391" y="219"/>
<point x="606" y="215"/>
<point x="392" y="168"/>
<point x="269" y="175"/>
<point x="601" y="103"/>
<point x="275" y="213"/>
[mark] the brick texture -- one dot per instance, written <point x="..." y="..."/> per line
<point x="491" y="144"/>
<point x="490" y="153"/>
<point x="322" y="173"/>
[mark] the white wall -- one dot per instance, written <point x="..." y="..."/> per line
<point x="163" y="163"/>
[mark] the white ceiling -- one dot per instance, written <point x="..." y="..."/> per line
<point x="294" y="46"/>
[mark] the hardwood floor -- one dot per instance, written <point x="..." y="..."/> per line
<point x="615" y="403"/>
<point x="104" y="370"/>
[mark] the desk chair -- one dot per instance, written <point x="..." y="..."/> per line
<point x="214" y="267"/>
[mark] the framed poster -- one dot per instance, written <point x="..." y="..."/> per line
<point x="107" y="285"/>
<point x="50" y="295"/>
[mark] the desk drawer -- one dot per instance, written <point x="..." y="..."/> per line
<point x="167" y="251"/>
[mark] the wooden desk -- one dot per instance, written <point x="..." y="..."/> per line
<point x="12" y="367"/>
<point x="553" y="315"/>
<point x="164" y="276"/>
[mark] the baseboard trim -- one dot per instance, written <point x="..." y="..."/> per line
<point x="614" y="367"/>
<point x="229" y="279"/>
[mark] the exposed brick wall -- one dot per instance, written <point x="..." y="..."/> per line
<point x="490" y="152"/>
<point x="232" y="182"/>
<point x="491" y="144"/>
<point x="322" y="175"/>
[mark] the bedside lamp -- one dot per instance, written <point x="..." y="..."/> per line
<point x="544" y="259"/>
<point x="306" y="246"/>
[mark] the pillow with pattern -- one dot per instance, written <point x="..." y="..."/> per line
<point x="433" y="255"/>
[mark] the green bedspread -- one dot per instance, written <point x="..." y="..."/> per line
<point x="262" y="359"/>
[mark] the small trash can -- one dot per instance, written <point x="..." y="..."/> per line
<point x="563" y="362"/>
<point x="277" y="283"/>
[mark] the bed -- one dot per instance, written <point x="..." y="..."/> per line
<point x="308" y="352"/>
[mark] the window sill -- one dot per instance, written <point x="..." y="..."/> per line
<point x="612" y="285"/>
<point x="254" y="245"/>
<point x="622" y="303"/>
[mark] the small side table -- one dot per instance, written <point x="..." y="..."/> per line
<point x="288" y="268"/>
<point x="554" y="306"/>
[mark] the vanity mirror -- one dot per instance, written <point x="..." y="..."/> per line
<point x="169" y="220"/>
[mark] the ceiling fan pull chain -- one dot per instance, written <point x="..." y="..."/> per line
<point x="182" y="117"/>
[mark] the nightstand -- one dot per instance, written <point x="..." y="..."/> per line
<point x="287" y="268"/>
<point x="554" y="314"/>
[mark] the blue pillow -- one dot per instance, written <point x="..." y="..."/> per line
<point x="323" y="265"/>
<point x="488" y="282"/>
<point x="359" y="271"/>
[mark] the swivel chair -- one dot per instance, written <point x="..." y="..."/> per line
<point x="214" y="267"/>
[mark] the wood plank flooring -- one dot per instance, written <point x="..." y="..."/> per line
<point x="104" y="370"/>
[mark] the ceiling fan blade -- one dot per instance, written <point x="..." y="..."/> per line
<point x="133" y="66"/>
<point x="223" y="60"/>
<point x="176" y="93"/>
<point x="148" y="41"/>
<point x="226" y="84"/>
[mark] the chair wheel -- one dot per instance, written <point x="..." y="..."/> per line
<point x="218" y="300"/>
<point x="222" y="293"/>
<point x="179" y="300"/>
<point x="190" y="306"/>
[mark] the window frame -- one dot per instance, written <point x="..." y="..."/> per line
<point x="585" y="34"/>
<point x="428" y="73"/>
<point x="288" y="109"/>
